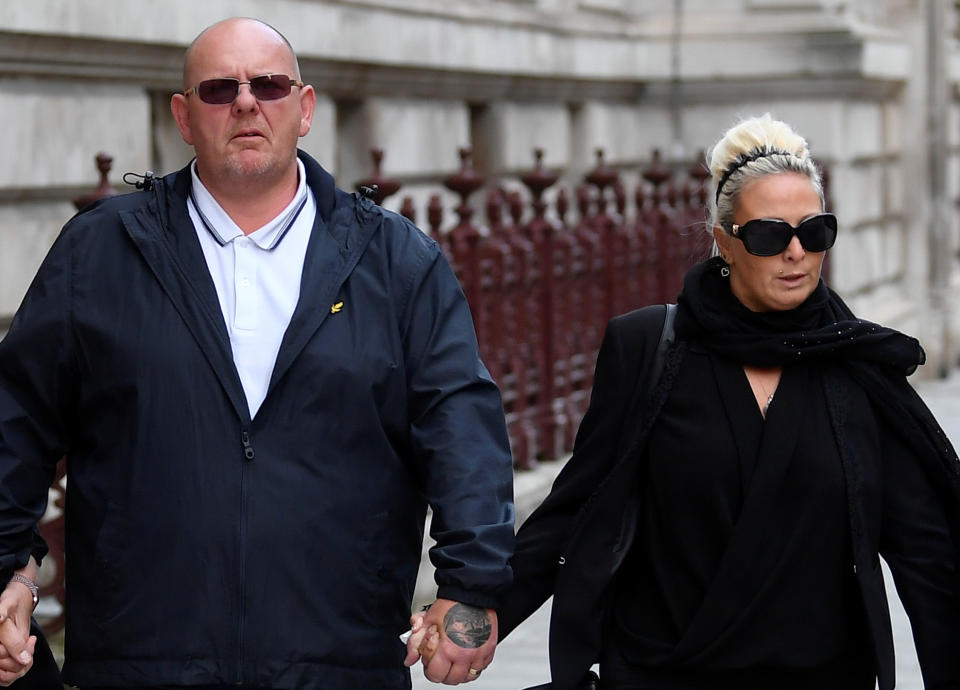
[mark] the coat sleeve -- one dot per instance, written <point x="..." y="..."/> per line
<point x="540" y="541"/>
<point x="916" y="543"/>
<point x="459" y="438"/>
<point x="35" y="395"/>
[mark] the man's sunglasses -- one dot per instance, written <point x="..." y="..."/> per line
<point x="268" y="87"/>
<point x="769" y="237"/>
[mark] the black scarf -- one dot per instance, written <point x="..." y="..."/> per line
<point x="823" y="329"/>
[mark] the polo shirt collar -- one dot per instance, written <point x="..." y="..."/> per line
<point x="222" y="228"/>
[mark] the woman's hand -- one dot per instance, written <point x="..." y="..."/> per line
<point x="418" y="640"/>
<point x="16" y="643"/>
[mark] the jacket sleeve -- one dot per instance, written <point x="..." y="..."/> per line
<point x="916" y="543"/>
<point x="459" y="438"/>
<point x="542" y="537"/>
<point x="35" y="394"/>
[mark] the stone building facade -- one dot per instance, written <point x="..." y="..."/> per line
<point x="873" y="84"/>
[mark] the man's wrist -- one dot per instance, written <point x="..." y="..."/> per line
<point x="30" y="585"/>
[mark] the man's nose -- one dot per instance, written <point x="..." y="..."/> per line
<point x="245" y="100"/>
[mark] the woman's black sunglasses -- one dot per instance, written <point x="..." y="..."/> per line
<point x="268" y="87"/>
<point x="769" y="237"/>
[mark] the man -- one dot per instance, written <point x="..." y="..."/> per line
<point x="259" y="382"/>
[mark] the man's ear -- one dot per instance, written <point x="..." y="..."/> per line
<point x="181" y="114"/>
<point x="308" y="103"/>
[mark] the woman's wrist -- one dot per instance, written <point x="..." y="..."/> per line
<point x="26" y="577"/>
<point x="20" y="580"/>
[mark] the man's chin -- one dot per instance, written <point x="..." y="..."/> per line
<point x="248" y="164"/>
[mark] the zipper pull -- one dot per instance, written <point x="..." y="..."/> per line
<point x="248" y="451"/>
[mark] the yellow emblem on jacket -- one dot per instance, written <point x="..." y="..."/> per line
<point x="336" y="307"/>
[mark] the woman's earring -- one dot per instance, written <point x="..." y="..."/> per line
<point x="725" y="271"/>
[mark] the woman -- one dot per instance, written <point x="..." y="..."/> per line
<point x="720" y="527"/>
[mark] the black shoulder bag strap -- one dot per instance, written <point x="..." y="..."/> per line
<point x="667" y="337"/>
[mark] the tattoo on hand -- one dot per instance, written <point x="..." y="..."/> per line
<point x="467" y="626"/>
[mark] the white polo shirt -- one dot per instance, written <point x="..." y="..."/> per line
<point x="257" y="277"/>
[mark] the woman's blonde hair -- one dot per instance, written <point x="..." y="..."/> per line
<point x="751" y="149"/>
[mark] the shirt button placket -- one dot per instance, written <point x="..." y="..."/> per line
<point x="245" y="277"/>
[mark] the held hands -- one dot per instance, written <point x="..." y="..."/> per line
<point x="455" y="641"/>
<point x="16" y="643"/>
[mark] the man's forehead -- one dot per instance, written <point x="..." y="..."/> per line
<point x="236" y="46"/>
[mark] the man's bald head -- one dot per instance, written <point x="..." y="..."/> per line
<point x="245" y="139"/>
<point x="226" y="25"/>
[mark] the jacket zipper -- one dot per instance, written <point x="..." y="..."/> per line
<point x="249" y="454"/>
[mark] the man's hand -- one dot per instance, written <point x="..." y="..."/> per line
<point x="16" y="643"/>
<point x="456" y="641"/>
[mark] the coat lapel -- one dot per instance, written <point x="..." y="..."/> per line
<point x="164" y="234"/>
<point x="743" y="415"/>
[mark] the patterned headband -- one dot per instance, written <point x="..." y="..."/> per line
<point x="742" y="160"/>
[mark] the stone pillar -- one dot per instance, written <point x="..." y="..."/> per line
<point x="321" y="141"/>
<point x="941" y="216"/>
<point x="507" y="134"/>
<point x="53" y="129"/>
<point x="926" y="206"/>
<point x="170" y="151"/>
<point x="419" y="137"/>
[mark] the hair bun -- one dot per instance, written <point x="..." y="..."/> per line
<point x="761" y="133"/>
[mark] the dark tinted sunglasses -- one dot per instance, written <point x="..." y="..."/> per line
<point x="268" y="87"/>
<point x="769" y="237"/>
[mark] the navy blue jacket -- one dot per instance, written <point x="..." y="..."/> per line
<point x="206" y="547"/>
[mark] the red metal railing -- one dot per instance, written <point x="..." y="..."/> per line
<point x="542" y="282"/>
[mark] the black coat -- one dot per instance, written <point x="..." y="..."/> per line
<point x="206" y="547"/>
<point x="576" y="540"/>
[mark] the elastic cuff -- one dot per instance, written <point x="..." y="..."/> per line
<point x="484" y="600"/>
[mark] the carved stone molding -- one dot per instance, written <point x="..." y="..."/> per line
<point x="158" y="67"/>
<point x="64" y="57"/>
